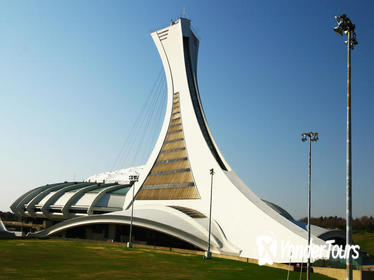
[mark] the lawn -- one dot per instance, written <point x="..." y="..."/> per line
<point x="365" y="240"/>
<point x="66" y="259"/>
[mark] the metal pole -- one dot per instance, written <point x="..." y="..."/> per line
<point x="313" y="137"/>
<point x="289" y="265"/>
<point x="349" y="165"/>
<point x="129" y="244"/>
<point x="301" y="269"/>
<point x="309" y="205"/>
<point x="345" y="25"/>
<point x="208" y="253"/>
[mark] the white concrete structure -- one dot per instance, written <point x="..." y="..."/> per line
<point x="7" y="234"/>
<point x="71" y="199"/>
<point x="173" y="191"/>
<point x="241" y="215"/>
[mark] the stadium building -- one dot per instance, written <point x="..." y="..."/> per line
<point x="171" y="196"/>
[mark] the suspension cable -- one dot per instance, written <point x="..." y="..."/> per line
<point x="141" y="132"/>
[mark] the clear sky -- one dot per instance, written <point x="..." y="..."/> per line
<point x="74" y="76"/>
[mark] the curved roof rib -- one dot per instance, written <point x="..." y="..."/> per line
<point x="58" y="194"/>
<point x="78" y="194"/>
<point x="40" y="202"/>
<point x="19" y="205"/>
<point x="30" y="208"/>
<point x="101" y="194"/>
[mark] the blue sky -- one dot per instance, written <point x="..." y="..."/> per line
<point x="74" y="76"/>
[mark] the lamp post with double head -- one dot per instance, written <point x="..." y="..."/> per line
<point x="208" y="254"/>
<point x="133" y="180"/>
<point x="347" y="27"/>
<point x="313" y="137"/>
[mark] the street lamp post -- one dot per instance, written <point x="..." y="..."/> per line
<point x="313" y="137"/>
<point x="208" y="254"/>
<point x="133" y="179"/>
<point x="345" y="25"/>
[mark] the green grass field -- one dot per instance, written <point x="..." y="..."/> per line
<point x="365" y="240"/>
<point x="66" y="259"/>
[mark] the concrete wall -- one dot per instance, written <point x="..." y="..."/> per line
<point x="337" y="273"/>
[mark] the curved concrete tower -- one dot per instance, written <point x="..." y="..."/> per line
<point x="177" y="172"/>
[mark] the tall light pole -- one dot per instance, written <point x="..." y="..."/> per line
<point x="208" y="254"/>
<point x="313" y="137"/>
<point x="133" y="179"/>
<point x="345" y="25"/>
